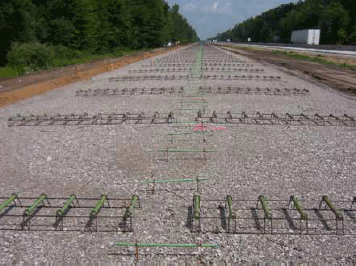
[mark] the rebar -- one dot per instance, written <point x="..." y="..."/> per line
<point x="277" y="119"/>
<point x="246" y="222"/>
<point x="94" y="212"/>
<point x="266" y="209"/>
<point x="8" y="202"/>
<point x="130" y="91"/>
<point x="61" y="212"/>
<point x="34" y="205"/>
<point x="196" y="203"/>
<point x="328" y="202"/>
<point x="257" y="90"/>
<point x="299" y="207"/>
<point x="132" y="206"/>
<point x="232" y="213"/>
<point x="85" y="119"/>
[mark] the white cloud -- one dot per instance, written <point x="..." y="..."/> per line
<point x="213" y="8"/>
<point x="189" y="7"/>
<point x="227" y="8"/>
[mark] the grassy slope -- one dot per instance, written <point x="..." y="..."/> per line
<point x="61" y="62"/>
<point x="7" y="72"/>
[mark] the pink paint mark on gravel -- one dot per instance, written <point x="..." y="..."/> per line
<point x="201" y="127"/>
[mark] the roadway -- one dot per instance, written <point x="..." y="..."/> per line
<point x="344" y="50"/>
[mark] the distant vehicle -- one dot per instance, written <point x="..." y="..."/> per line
<point x="169" y="44"/>
<point x="311" y="37"/>
<point x="228" y="40"/>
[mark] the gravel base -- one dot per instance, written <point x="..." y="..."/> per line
<point x="251" y="160"/>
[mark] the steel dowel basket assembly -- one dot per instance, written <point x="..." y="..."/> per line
<point x="101" y="214"/>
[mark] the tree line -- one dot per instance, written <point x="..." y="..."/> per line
<point x="96" y="26"/>
<point x="335" y="18"/>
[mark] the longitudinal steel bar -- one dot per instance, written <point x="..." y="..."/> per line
<point x="329" y="203"/>
<point x="299" y="207"/>
<point x="85" y="119"/>
<point x="134" y="200"/>
<point x="232" y="213"/>
<point x="7" y="202"/>
<point x="62" y="211"/>
<point x="274" y="119"/>
<point x="29" y="210"/>
<point x="267" y="211"/>
<point x="95" y="211"/>
<point x="130" y="91"/>
<point x="196" y="205"/>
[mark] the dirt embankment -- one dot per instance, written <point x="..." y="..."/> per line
<point x="336" y="77"/>
<point x="15" y="89"/>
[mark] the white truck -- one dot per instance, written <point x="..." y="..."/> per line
<point x="311" y="37"/>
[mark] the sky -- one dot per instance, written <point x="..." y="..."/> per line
<point x="209" y="17"/>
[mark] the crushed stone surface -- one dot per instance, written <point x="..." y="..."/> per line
<point x="250" y="160"/>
